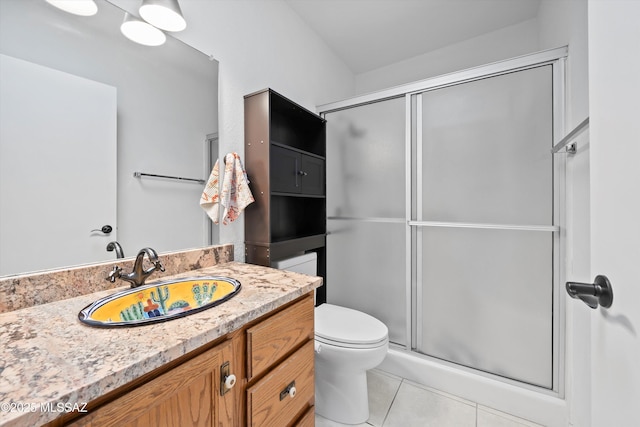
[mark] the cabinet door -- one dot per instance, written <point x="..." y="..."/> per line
<point x="311" y="175"/>
<point x="295" y="172"/>
<point x="285" y="165"/>
<point x="188" y="395"/>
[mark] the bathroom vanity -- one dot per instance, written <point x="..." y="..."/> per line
<point x="180" y="371"/>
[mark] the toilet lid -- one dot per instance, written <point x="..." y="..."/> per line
<point x="341" y="325"/>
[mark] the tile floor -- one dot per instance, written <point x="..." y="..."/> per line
<point x="397" y="402"/>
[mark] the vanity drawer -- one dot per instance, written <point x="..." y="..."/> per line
<point x="270" y="404"/>
<point x="272" y="339"/>
<point x="308" y="419"/>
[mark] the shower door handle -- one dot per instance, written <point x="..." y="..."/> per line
<point x="598" y="293"/>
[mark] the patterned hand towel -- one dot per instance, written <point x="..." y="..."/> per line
<point x="210" y="199"/>
<point x="235" y="194"/>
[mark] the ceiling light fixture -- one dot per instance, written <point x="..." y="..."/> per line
<point x="77" y="7"/>
<point x="164" y="14"/>
<point x="141" y="32"/>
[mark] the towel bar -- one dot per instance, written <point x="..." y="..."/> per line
<point x="141" y="174"/>
<point x="570" y="136"/>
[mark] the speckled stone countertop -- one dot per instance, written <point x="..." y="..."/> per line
<point x="48" y="357"/>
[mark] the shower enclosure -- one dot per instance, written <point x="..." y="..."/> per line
<point x="444" y="205"/>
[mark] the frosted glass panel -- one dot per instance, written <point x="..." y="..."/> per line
<point x="486" y="150"/>
<point x="366" y="160"/>
<point x="365" y="271"/>
<point x="487" y="300"/>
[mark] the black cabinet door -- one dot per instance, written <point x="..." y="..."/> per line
<point x="285" y="165"/>
<point x="311" y="175"/>
<point x="295" y="172"/>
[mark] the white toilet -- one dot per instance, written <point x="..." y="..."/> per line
<point x="348" y="343"/>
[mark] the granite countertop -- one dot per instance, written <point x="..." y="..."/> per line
<point x="49" y="359"/>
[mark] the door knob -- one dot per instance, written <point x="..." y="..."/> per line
<point x="593" y="294"/>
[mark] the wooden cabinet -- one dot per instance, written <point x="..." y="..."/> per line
<point x="285" y="148"/>
<point x="280" y="368"/>
<point x="272" y="358"/>
<point x="188" y="395"/>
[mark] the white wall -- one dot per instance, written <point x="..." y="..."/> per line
<point x="506" y="43"/>
<point x="259" y="44"/>
<point x="262" y="44"/>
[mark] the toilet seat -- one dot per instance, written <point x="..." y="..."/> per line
<point x="344" y="327"/>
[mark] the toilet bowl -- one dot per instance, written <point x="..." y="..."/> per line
<point x="348" y="343"/>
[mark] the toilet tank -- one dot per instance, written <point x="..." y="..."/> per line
<point x="305" y="264"/>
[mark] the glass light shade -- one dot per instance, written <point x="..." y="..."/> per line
<point x="141" y="32"/>
<point x="77" y="7"/>
<point x="164" y="14"/>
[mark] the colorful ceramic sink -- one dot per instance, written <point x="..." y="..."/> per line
<point x="159" y="302"/>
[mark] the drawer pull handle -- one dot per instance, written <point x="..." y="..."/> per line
<point x="289" y="390"/>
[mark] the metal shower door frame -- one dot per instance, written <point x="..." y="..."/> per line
<point x="557" y="59"/>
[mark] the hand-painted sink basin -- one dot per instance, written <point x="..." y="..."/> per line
<point x="159" y="302"/>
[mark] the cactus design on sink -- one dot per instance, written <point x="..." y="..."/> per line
<point x="159" y="301"/>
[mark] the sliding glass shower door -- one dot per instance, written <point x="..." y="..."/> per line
<point x="484" y="224"/>
<point x="366" y="256"/>
<point x="442" y="208"/>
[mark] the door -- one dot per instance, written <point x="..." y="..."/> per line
<point x="366" y="205"/>
<point x="311" y="175"/>
<point x="284" y="170"/>
<point x="188" y="395"/>
<point x="485" y="232"/>
<point x="70" y="135"/>
<point x="614" y="90"/>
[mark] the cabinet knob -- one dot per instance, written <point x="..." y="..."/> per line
<point x="229" y="381"/>
<point x="302" y="173"/>
<point x="289" y="390"/>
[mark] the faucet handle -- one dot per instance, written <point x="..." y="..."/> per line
<point x="114" y="274"/>
<point x="159" y="265"/>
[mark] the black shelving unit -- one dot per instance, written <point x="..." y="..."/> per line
<point x="285" y="148"/>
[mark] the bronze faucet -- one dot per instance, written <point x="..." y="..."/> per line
<point x="138" y="276"/>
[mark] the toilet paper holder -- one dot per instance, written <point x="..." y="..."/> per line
<point x="598" y="293"/>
